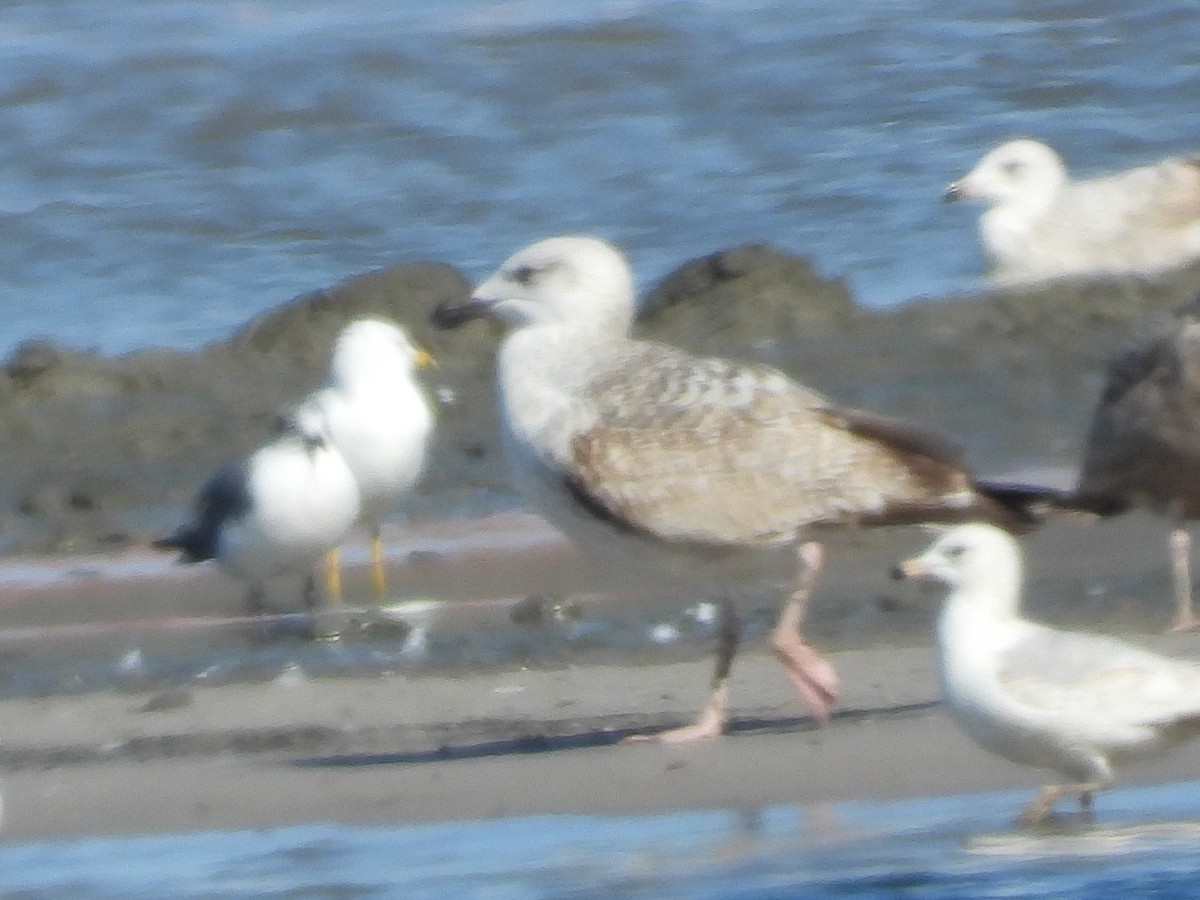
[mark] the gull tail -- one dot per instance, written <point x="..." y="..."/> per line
<point x="195" y="544"/>
<point x="1024" y="507"/>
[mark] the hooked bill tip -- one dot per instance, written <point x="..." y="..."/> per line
<point x="453" y="313"/>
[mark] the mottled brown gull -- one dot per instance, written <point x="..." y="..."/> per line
<point x="1042" y="225"/>
<point x="715" y="469"/>
<point x="1077" y="704"/>
<point x="1143" y="448"/>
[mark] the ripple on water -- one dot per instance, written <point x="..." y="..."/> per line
<point x="173" y="169"/>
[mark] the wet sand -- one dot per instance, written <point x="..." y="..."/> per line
<point x="507" y="739"/>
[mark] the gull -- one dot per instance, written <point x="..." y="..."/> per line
<point x="275" y="512"/>
<point x="1077" y="704"/>
<point x="711" y="470"/>
<point x="1040" y="224"/>
<point x="379" y="418"/>
<point x="1143" y="448"/>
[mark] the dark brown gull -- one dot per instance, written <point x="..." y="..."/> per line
<point x="717" y="470"/>
<point x="1143" y="449"/>
<point x="1040" y="224"/>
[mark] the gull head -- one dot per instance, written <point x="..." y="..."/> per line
<point x="976" y="560"/>
<point x="375" y="348"/>
<point x="562" y="280"/>
<point x="1024" y="172"/>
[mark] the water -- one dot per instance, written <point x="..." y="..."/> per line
<point x="949" y="847"/>
<point x="171" y="169"/>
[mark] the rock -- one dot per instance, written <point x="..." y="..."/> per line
<point x="89" y="444"/>
<point x="151" y="425"/>
<point x="303" y="330"/>
<point x="743" y="301"/>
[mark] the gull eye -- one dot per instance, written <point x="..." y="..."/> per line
<point x="1012" y="167"/>
<point x="955" y="551"/>
<point x="524" y="275"/>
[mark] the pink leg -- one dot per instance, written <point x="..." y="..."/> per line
<point x="1038" y="810"/>
<point x="1181" y="551"/>
<point x="710" y="724"/>
<point x="813" y="677"/>
<point x="1042" y="806"/>
<point x="715" y="716"/>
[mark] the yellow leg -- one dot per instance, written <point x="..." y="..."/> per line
<point x="333" y="576"/>
<point x="378" y="576"/>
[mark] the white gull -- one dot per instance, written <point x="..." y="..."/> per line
<point x="275" y="512"/>
<point x="1040" y="224"/>
<point x="378" y="416"/>
<point x="1077" y="704"/>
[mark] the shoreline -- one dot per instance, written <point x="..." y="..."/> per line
<point x="526" y="734"/>
<point x="376" y="752"/>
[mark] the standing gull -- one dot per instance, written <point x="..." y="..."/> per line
<point x="1144" y="445"/>
<point x="379" y="418"/>
<point x="274" y="512"/>
<point x="1041" y="225"/>
<point x="714" y="469"/>
<point x="1077" y="704"/>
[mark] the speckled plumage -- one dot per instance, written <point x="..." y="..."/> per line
<point x="716" y="452"/>
<point x="695" y="452"/>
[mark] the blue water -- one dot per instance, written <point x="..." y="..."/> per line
<point x="172" y="168"/>
<point x="949" y="847"/>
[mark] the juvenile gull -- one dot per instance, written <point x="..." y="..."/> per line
<point x="715" y="469"/>
<point x="1042" y="225"/>
<point x="274" y="512"/>
<point x="1143" y="448"/>
<point x="1077" y="704"/>
<point x="379" y="418"/>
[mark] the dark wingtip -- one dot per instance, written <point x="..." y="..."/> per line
<point x="1030" y="505"/>
<point x="453" y="313"/>
<point x="170" y="542"/>
<point x="953" y="193"/>
<point x="187" y="542"/>
<point x="896" y="573"/>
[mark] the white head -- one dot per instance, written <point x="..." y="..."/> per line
<point x="1024" y="172"/>
<point x="571" y="279"/>
<point x="371" y="349"/>
<point x="976" y="561"/>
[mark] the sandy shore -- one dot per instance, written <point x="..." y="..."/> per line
<point x="508" y="743"/>
<point x="508" y="739"/>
